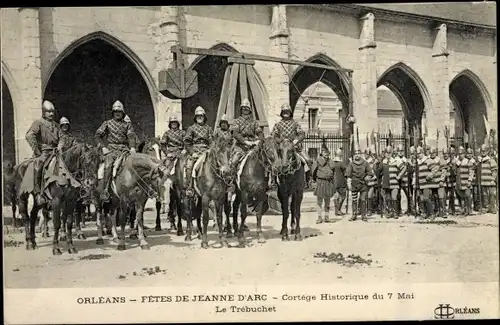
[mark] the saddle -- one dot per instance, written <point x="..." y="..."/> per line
<point x="117" y="166"/>
<point x="241" y="165"/>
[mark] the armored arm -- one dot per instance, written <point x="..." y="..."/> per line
<point x="131" y="136"/>
<point x="276" y="132"/>
<point x="494" y="168"/>
<point x="31" y="137"/>
<point x="188" y="139"/>
<point x="100" y="134"/>
<point x="210" y="136"/>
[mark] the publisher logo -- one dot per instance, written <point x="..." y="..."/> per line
<point x="444" y="311"/>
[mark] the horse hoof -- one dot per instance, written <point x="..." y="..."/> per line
<point x="298" y="237"/>
<point x="225" y="244"/>
<point x="133" y="237"/>
<point x="121" y="247"/>
<point x="283" y="232"/>
<point x="285" y="238"/>
<point x="180" y="232"/>
<point x="31" y="246"/>
<point x="81" y="236"/>
<point x="158" y="228"/>
<point x="56" y="251"/>
<point x="241" y="245"/>
<point x="62" y="238"/>
<point x="145" y="247"/>
<point x="188" y="238"/>
<point x="99" y="241"/>
<point x="217" y="245"/>
<point x="72" y="250"/>
<point x="204" y="245"/>
<point x="116" y="240"/>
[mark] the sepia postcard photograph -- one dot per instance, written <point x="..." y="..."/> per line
<point x="249" y="163"/>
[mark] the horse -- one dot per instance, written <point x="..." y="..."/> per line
<point x="252" y="183"/>
<point x="81" y="161"/>
<point x="139" y="178"/>
<point x="211" y="185"/>
<point x="291" y="183"/>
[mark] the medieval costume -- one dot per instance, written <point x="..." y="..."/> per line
<point x="324" y="184"/>
<point x="358" y="172"/>
<point x="116" y="137"/>
<point x="445" y="190"/>
<point x="66" y="136"/>
<point x="43" y="136"/>
<point x="172" y="141"/>
<point x="372" y="183"/>
<point x="425" y="173"/>
<point x="223" y="131"/>
<point x="488" y="170"/>
<point x="435" y="161"/>
<point x="464" y="169"/>
<point x="197" y="140"/>
<point x="339" y="182"/>
<point x="390" y="172"/>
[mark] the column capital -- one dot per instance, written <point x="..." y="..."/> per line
<point x="279" y="26"/>
<point x="368" y="16"/>
<point x="440" y="46"/>
<point x="367" y="35"/>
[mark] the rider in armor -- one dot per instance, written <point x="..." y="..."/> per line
<point x="290" y="129"/>
<point x="172" y="142"/>
<point x="66" y="136"/>
<point x="223" y="130"/>
<point x="116" y="137"/>
<point x="197" y="139"/>
<point x="43" y="137"/>
<point x="246" y="132"/>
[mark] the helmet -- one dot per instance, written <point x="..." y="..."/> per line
<point x="484" y="148"/>
<point x="412" y="149"/>
<point x="388" y="149"/>
<point x="199" y="111"/>
<point x="223" y="118"/>
<point x="338" y="152"/>
<point x="127" y="119"/>
<point x="469" y="151"/>
<point x="118" y="106"/>
<point x="433" y="151"/>
<point x="367" y="151"/>
<point x="245" y="103"/>
<point x="400" y="147"/>
<point x="285" y="107"/>
<point x="446" y="151"/>
<point x="452" y="150"/>
<point x="47" y="106"/>
<point x="324" y="149"/>
<point x="420" y="150"/>
<point x="63" y="120"/>
<point x="461" y="149"/>
<point x="173" y="118"/>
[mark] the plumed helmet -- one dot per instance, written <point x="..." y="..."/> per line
<point x="127" y="119"/>
<point x="173" y="118"/>
<point x="461" y="149"/>
<point x="118" y="106"/>
<point x="446" y="151"/>
<point x="245" y="103"/>
<point x="63" y="120"/>
<point x="47" y="106"/>
<point x="199" y="111"/>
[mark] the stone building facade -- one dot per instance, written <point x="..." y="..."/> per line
<point x="427" y="61"/>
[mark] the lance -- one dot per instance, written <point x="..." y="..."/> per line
<point x="477" y="168"/>
<point x="377" y="162"/>
<point x="447" y="136"/>
<point x="367" y="141"/>
<point x="437" y="140"/>
<point x="416" y="133"/>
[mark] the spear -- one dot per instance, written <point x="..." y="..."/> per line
<point x="379" y="197"/>
<point x="367" y="141"/>
<point x="447" y="136"/>
<point x="415" y="175"/>
<point x="437" y="140"/>
<point x="478" y="169"/>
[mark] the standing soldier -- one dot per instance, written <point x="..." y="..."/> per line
<point x="43" y="136"/>
<point x="427" y="172"/>
<point x="324" y="184"/>
<point x="371" y="183"/>
<point x="435" y="164"/>
<point x="464" y="170"/>
<point x="445" y="190"/>
<point x="390" y="173"/>
<point x="290" y="129"/>
<point x="116" y="137"/>
<point x="357" y="171"/>
<point x="489" y="173"/>
<point x="66" y="136"/>
<point x="453" y="182"/>
<point x="476" y="193"/>
<point x="172" y="142"/>
<point x="403" y="180"/>
<point x="197" y="139"/>
<point x="410" y="188"/>
<point x="247" y="133"/>
<point x="339" y="182"/>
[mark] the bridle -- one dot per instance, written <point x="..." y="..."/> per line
<point x="294" y="164"/>
<point x="215" y="162"/>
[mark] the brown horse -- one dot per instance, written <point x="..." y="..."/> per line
<point x="212" y="184"/>
<point x="140" y="178"/>
<point x="81" y="160"/>
<point x="291" y="183"/>
<point x="253" y="184"/>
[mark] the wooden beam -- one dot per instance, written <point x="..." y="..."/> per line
<point x="240" y="61"/>
<point x="243" y="82"/>
<point x="223" y="96"/>
<point x="248" y="56"/>
<point x="233" y="83"/>
<point x="257" y="98"/>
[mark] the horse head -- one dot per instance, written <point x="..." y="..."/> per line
<point x="287" y="154"/>
<point x="152" y="175"/>
<point x="219" y="156"/>
<point x="269" y="153"/>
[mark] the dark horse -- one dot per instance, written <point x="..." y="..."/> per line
<point x="212" y="182"/>
<point x="139" y="178"/>
<point x="82" y="161"/>
<point x="291" y="183"/>
<point x="253" y="184"/>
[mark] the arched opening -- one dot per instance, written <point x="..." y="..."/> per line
<point x="211" y="70"/>
<point x="8" y="130"/>
<point x="457" y="126"/>
<point x="472" y="101"/>
<point x="90" y="78"/>
<point x="411" y="93"/>
<point x="305" y="77"/>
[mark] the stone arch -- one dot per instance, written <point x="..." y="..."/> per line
<point x="211" y="71"/>
<point x="115" y="42"/>
<point x="409" y="88"/>
<point x="474" y="102"/>
<point x="10" y="102"/>
<point x="458" y="117"/>
<point x="92" y="73"/>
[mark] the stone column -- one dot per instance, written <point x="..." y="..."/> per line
<point x="278" y="88"/>
<point x="31" y="87"/>
<point x="168" y="35"/>
<point x="438" y="115"/>
<point x="365" y="81"/>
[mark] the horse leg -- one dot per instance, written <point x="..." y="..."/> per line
<point x="173" y="211"/>
<point x="198" y="215"/>
<point x="114" y="215"/>
<point x="296" y="203"/>
<point x="243" y="212"/>
<point x="13" y="201"/>
<point x="139" y="208"/>
<point x="189" y="210"/>
<point x="122" y="213"/>
<point x="79" y="220"/>
<point x="284" y="199"/>
<point x="133" y="227"/>
<point x="205" y="205"/>
<point x="100" y="221"/>
<point x="178" y="211"/>
<point x="261" y="197"/>
<point x="219" y="205"/>
<point x="68" y="215"/>
<point x="236" y="205"/>
<point x="23" y="210"/>
<point x="158" y="211"/>
<point x="56" y="219"/>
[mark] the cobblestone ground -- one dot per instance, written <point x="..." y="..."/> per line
<point x="448" y="250"/>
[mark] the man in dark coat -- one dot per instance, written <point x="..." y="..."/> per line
<point x="357" y="173"/>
